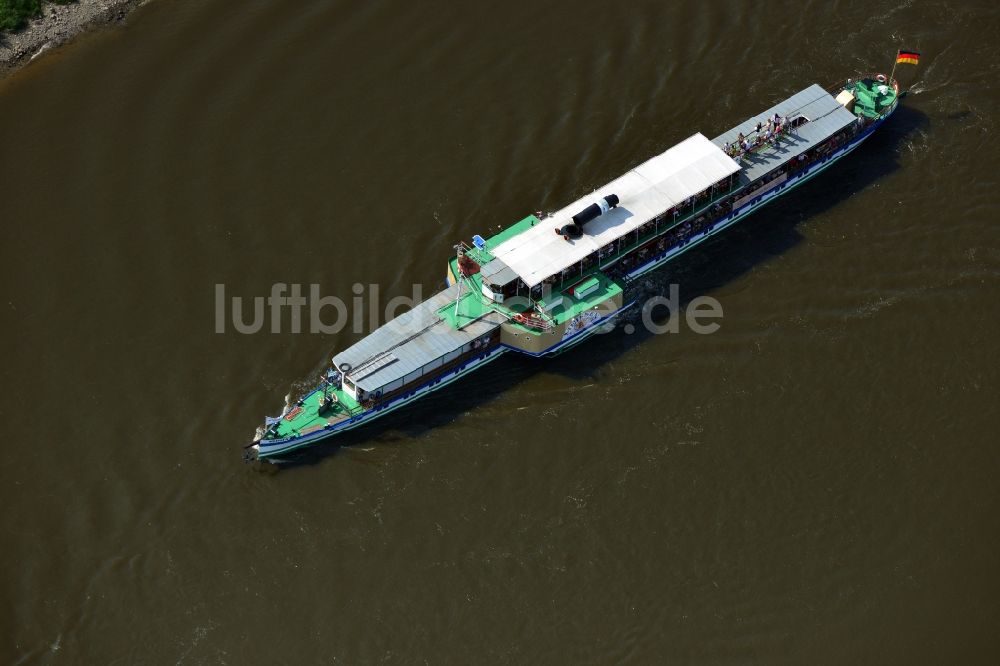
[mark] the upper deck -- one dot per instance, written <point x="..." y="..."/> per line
<point x="814" y="115"/>
<point x="665" y="181"/>
<point x="411" y="344"/>
<point x="534" y="251"/>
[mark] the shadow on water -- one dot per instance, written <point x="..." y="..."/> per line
<point x="702" y="270"/>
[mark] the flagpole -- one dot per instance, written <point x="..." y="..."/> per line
<point x="895" y="62"/>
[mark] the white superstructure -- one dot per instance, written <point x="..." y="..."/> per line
<point x="657" y="185"/>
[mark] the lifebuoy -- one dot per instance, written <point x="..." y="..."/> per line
<point x="520" y="318"/>
<point x="880" y="78"/>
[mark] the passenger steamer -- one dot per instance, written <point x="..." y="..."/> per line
<point x="550" y="281"/>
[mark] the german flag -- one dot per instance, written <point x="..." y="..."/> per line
<point x="908" y="57"/>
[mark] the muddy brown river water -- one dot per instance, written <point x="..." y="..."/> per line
<point x="815" y="483"/>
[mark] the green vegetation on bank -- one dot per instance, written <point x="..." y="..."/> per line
<point x="15" y="13"/>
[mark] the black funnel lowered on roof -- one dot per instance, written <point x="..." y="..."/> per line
<point x="596" y="209"/>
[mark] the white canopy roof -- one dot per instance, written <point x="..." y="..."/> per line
<point x="644" y="192"/>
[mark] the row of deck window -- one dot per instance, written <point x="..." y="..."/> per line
<point x="646" y="230"/>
